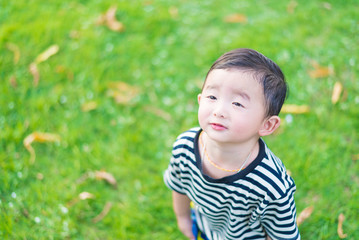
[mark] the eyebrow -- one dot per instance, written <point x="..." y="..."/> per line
<point x="243" y="95"/>
<point x="238" y="92"/>
<point x="211" y="86"/>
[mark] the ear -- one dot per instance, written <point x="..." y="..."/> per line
<point x="269" y="126"/>
<point x="199" y="98"/>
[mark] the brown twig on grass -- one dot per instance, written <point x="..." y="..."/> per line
<point x="103" y="213"/>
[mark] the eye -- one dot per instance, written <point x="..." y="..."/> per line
<point x="211" y="97"/>
<point x="237" y="104"/>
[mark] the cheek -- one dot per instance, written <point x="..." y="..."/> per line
<point x="202" y="112"/>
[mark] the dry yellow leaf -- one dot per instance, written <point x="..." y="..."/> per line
<point x="13" y="81"/>
<point x="40" y="176"/>
<point x="60" y="69"/>
<point x="89" y="106"/>
<point x="82" y="196"/>
<point x="38" y="137"/>
<point x="291" y="6"/>
<point x="74" y="34"/>
<point x="15" y="50"/>
<point x="52" y="50"/>
<point x="103" y="213"/>
<point x="327" y="6"/>
<point x="42" y="57"/>
<point x="64" y="70"/>
<point x="159" y="112"/>
<point x="41" y="137"/>
<point x="109" y="19"/>
<point x="122" y="92"/>
<point x="35" y="73"/>
<point x="235" y="18"/>
<point x="337" y="90"/>
<point x="86" y="195"/>
<point x="102" y="175"/>
<point x="83" y="178"/>
<point x="304" y="215"/>
<point x="319" y="71"/>
<point x="295" y="109"/>
<point x="340" y="226"/>
<point x="355" y="157"/>
<point x="173" y="12"/>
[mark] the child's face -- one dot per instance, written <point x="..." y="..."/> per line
<point x="231" y="106"/>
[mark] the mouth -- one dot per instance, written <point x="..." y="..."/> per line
<point x="217" y="126"/>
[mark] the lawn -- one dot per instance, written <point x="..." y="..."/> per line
<point x="93" y="94"/>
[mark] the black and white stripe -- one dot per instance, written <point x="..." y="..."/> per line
<point x="245" y="205"/>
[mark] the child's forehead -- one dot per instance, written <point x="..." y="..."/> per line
<point x="217" y="77"/>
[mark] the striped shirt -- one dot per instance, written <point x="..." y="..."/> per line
<point x="247" y="205"/>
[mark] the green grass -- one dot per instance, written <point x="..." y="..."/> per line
<point x="166" y="55"/>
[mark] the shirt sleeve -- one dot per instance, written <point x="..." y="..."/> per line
<point x="279" y="217"/>
<point x="172" y="176"/>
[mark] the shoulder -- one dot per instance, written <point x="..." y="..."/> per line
<point x="273" y="176"/>
<point x="189" y="134"/>
<point x="185" y="144"/>
<point x="186" y="138"/>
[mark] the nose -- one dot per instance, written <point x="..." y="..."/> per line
<point x="219" y="111"/>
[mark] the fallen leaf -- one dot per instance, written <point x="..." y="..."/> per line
<point x="83" y="178"/>
<point x="319" y="71"/>
<point x="99" y="175"/>
<point x="355" y="157"/>
<point x="60" y="69"/>
<point x="82" y="196"/>
<point x="74" y="34"/>
<point x="38" y="137"/>
<point x="63" y="70"/>
<point x="304" y="215"/>
<point x="35" y="73"/>
<point x="41" y="137"/>
<point x="160" y="113"/>
<point x="291" y="6"/>
<point x="13" y="81"/>
<point x="39" y="176"/>
<point x="52" y="50"/>
<point x="235" y="18"/>
<point x="102" y="175"/>
<point x="25" y="212"/>
<point x="103" y="213"/>
<point x="122" y="92"/>
<point x="337" y="90"/>
<point x="340" y="226"/>
<point x="327" y="6"/>
<point x="173" y="12"/>
<point x="41" y="58"/>
<point x="86" y="195"/>
<point x="109" y="19"/>
<point x="295" y="109"/>
<point x="15" y="50"/>
<point x="89" y="106"/>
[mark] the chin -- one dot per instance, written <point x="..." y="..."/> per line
<point x="218" y="136"/>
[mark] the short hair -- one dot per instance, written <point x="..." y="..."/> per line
<point x="267" y="72"/>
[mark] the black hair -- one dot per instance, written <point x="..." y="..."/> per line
<point x="267" y="72"/>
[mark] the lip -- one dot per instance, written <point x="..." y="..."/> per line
<point x="217" y="126"/>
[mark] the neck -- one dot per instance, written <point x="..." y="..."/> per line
<point x="231" y="155"/>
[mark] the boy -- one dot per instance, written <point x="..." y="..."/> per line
<point x="239" y="188"/>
